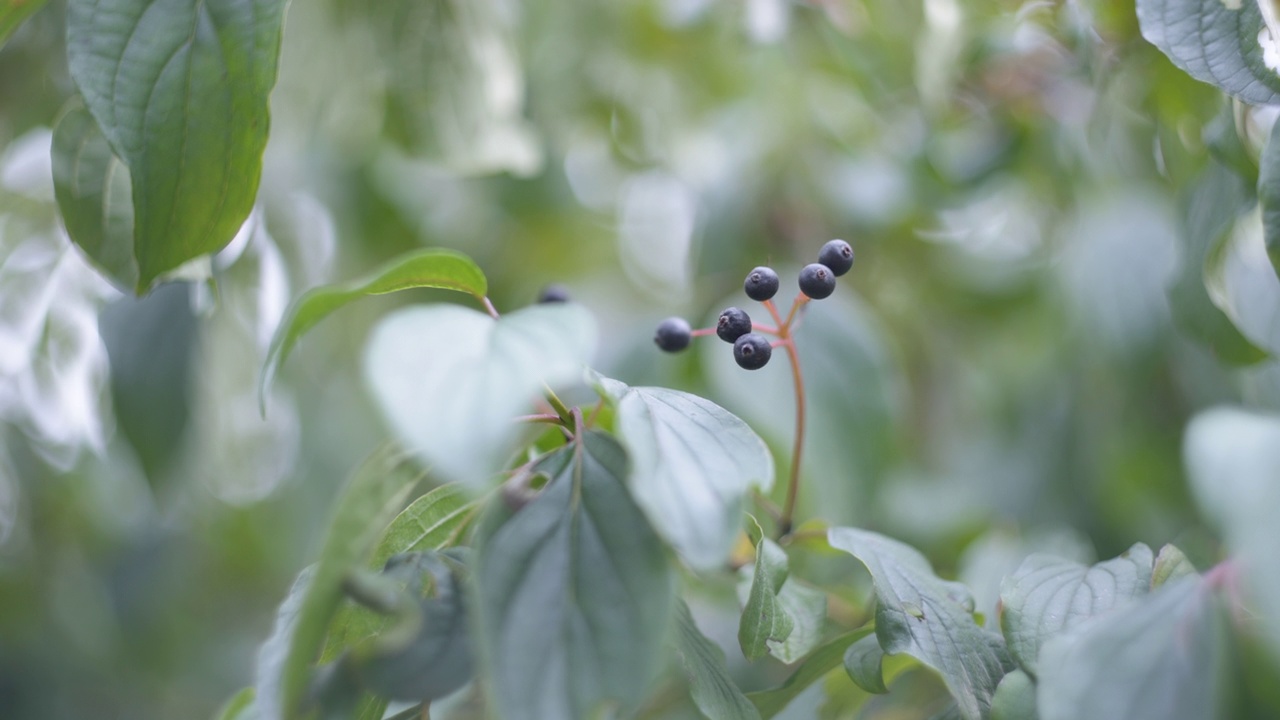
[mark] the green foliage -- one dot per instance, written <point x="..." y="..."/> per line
<point x="820" y="662"/>
<point x="1015" y="698"/>
<point x="1185" y="30"/>
<point x="864" y="661"/>
<point x="764" y="619"/>
<point x="13" y="13"/>
<point x="713" y="691"/>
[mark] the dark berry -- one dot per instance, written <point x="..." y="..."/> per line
<point x="837" y="255"/>
<point x="733" y="324"/>
<point x="752" y="351"/>
<point x="761" y="284"/>
<point x="554" y="294"/>
<point x="817" y="281"/>
<point x="673" y="335"/>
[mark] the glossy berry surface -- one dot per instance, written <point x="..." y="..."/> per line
<point x="733" y="324"/>
<point x="817" y="281"/>
<point x="752" y="351"/>
<point x="673" y="335"/>
<point x="761" y="284"/>
<point x="837" y="255"/>
<point x="554" y="294"/>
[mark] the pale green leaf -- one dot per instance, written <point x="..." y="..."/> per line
<point x="807" y="608"/>
<point x="928" y="618"/>
<point x="432" y="268"/>
<point x="575" y="592"/>
<point x="1269" y="195"/>
<point x="1015" y="698"/>
<point x="1171" y="564"/>
<point x="820" y="662"/>
<point x="1214" y="41"/>
<point x="763" y="617"/>
<point x="15" y="12"/>
<point x="864" y="661"/>
<point x="713" y="691"/>
<point x="180" y="89"/>
<point x="1048" y="595"/>
<point x="451" y="381"/>
<point x="237" y="707"/>
<point x="693" y="463"/>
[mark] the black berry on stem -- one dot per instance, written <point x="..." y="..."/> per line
<point x="761" y="284"/>
<point x="817" y="281"/>
<point x="554" y="294"/>
<point x="837" y="255"/>
<point x="673" y="335"/>
<point x="752" y="351"/>
<point x="733" y="324"/>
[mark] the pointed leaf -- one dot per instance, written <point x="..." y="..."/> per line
<point x="693" y="462"/>
<point x="1214" y="41"/>
<point x="864" y="661"/>
<point x="432" y="268"/>
<point x="179" y="88"/>
<point x="575" y="592"/>
<point x="15" y="12"/>
<point x="451" y="381"/>
<point x="1015" y="698"/>
<point x="1171" y="564"/>
<point x="763" y="617"/>
<point x="928" y="618"/>
<point x="713" y="691"/>
<point x="1048" y="595"/>
<point x="822" y="661"/>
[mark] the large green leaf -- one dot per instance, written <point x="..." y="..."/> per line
<point x="431" y="268"/>
<point x="15" y="12"/>
<point x="1048" y="595"/>
<point x="378" y="489"/>
<point x="575" y="592"/>
<point x="1162" y="658"/>
<point x="451" y="381"/>
<point x="93" y="190"/>
<point x="764" y="619"/>
<point x="180" y="89"/>
<point x="820" y="662"/>
<point x="713" y="691"/>
<point x="928" y="618"/>
<point x="1215" y="41"/>
<point x="693" y="463"/>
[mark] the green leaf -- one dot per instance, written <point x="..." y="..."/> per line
<point x="927" y="618"/>
<point x="1214" y="41"/>
<point x="93" y="191"/>
<point x="693" y="463"/>
<point x="1210" y="210"/>
<point x="180" y="88"/>
<point x="864" y="661"/>
<point x="1269" y="195"/>
<point x="1233" y="460"/>
<point x="763" y="617"/>
<point x="807" y="607"/>
<point x="575" y="592"/>
<point x="1162" y="658"/>
<point x="822" y="661"/>
<point x="1171" y="564"/>
<point x="236" y="706"/>
<point x="275" y="654"/>
<point x="368" y="503"/>
<point x="713" y="691"/>
<point x="431" y="268"/>
<point x="451" y="381"/>
<point x="1015" y="698"/>
<point x="1048" y="595"/>
<point x="15" y="12"/>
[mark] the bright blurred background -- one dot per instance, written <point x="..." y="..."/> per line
<point x="1005" y="369"/>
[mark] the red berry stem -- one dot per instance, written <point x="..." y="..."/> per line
<point x="700" y="332"/>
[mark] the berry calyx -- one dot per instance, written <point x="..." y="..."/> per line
<point x="817" y="281"/>
<point x="752" y="351"/>
<point x="837" y="255"/>
<point x="673" y="335"/>
<point x="733" y="324"/>
<point x="554" y="294"/>
<point x="761" y="284"/>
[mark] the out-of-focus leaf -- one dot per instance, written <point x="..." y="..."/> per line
<point x="1015" y="698"/>
<point x="1161" y="658"/>
<point x="928" y="618"/>
<point x="15" y="12"/>
<point x="807" y="607"/>
<point x="713" y="691"/>
<point x="763" y="617"/>
<point x="275" y="653"/>
<point x="820" y="662"/>
<point x="1215" y="42"/>
<point x="431" y="268"/>
<point x="1269" y="195"/>
<point x="575" y="591"/>
<point x="194" y="166"/>
<point x="451" y="381"/>
<point x="1048" y="595"/>
<point x="692" y="463"/>
<point x="1171" y="564"/>
<point x="237" y="707"/>
<point x="864" y="662"/>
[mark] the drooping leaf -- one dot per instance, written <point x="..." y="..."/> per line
<point x="451" y="381"/>
<point x="693" y="462"/>
<point x="431" y="268"/>
<point x="820" y="662"/>
<point x="864" y="662"/>
<point x="1048" y="595"/>
<point x="1161" y="658"/>
<point x="15" y="12"/>
<point x="1215" y="41"/>
<point x="1171" y="564"/>
<point x="237" y="707"/>
<point x="575" y="592"/>
<point x="713" y="691"/>
<point x="370" y="500"/>
<point x="1015" y="698"/>
<point x="928" y="618"/>
<point x="763" y="617"/>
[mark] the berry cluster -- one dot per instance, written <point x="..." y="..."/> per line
<point x="751" y="349"/>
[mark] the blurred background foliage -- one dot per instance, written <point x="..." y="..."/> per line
<point x="1006" y="369"/>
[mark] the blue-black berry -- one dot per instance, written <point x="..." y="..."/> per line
<point x="817" y="281"/>
<point x="733" y="324"/>
<point x="673" y="335"/>
<point x="554" y="294"/>
<point x="837" y="255"/>
<point x="761" y="284"/>
<point x="752" y="351"/>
